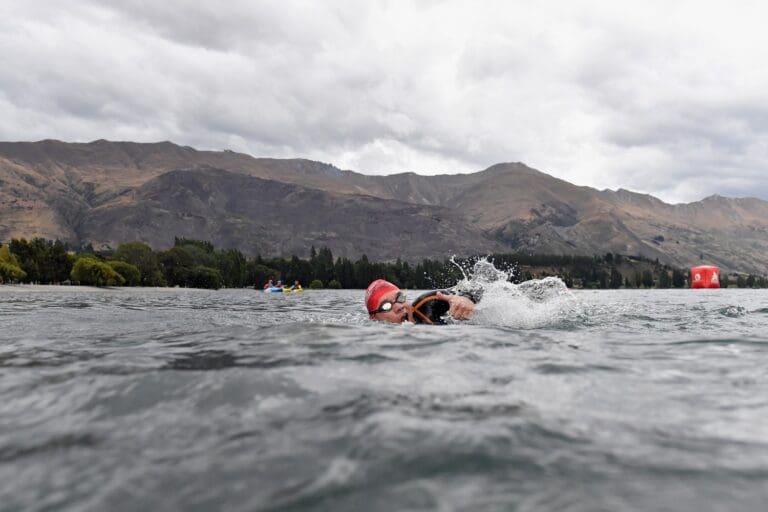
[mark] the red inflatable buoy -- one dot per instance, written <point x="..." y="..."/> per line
<point x="705" y="276"/>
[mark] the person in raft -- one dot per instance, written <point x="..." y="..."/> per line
<point x="386" y="303"/>
<point x="295" y="286"/>
<point x="270" y="284"/>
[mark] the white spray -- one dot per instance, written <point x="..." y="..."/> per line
<point x="533" y="304"/>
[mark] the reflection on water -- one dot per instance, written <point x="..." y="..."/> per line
<point x="117" y="399"/>
<point x="203" y="360"/>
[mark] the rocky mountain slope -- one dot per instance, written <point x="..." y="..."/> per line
<point x="106" y="193"/>
<point x="271" y="217"/>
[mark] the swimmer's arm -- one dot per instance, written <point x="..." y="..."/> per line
<point x="461" y="308"/>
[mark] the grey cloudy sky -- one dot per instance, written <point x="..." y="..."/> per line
<point x="667" y="97"/>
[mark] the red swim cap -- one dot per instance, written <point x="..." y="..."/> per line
<point x="376" y="290"/>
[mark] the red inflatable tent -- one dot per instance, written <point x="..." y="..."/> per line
<point x="705" y="276"/>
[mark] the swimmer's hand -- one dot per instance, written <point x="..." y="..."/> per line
<point x="461" y="308"/>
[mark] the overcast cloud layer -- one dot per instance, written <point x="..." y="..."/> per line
<point x="668" y="98"/>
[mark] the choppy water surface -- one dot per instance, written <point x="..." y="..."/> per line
<point x="118" y="399"/>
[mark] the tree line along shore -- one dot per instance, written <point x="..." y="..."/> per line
<point x="198" y="264"/>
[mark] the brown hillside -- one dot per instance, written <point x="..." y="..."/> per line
<point x="78" y="193"/>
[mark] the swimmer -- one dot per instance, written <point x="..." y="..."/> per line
<point x="385" y="302"/>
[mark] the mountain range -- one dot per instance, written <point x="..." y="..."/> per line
<point x="105" y="193"/>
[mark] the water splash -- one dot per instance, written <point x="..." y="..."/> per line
<point x="484" y="270"/>
<point x="733" y="311"/>
<point x="531" y="304"/>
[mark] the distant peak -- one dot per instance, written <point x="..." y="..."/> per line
<point x="106" y="142"/>
<point x="505" y="167"/>
<point x="623" y="192"/>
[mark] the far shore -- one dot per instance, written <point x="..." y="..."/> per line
<point x="64" y="287"/>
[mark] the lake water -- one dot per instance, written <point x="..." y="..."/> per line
<point x="176" y="399"/>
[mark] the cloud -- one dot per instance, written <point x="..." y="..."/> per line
<point x="666" y="98"/>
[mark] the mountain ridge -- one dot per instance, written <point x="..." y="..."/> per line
<point x="69" y="191"/>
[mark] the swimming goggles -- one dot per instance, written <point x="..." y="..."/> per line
<point x="387" y="305"/>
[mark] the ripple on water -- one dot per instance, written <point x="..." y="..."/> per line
<point x="184" y="399"/>
<point x="733" y="311"/>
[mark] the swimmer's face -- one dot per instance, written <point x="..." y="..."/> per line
<point x="398" y="313"/>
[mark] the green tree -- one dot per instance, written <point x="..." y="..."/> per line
<point x="87" y="270"/>
<point x="647" y="279"/>
<point x="44" y="261"/>
<point x="298" y="269"/>
<point x="232" y="266"/>
<point x="259" y="274"/>
<point x="322" y="265"/>
<point x="141" y="256"/>
<point x="205" y="277"/>
<point x="201" y="252"/>
<point x="665" y="281"/>
<point x="364" y="273"/>
<point x="31" y="256"/>
<point x="27" y="258"/>
<point x="60" y="262"/>
<point x="129" y="273"/>
<point x="10" y="271"/>
<point x="176" y="263"/>
<point x="316" y="284"/>
<point x="616" y="278"/>
<point x="603" y="279"/>
<point x="678" y="278"/>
